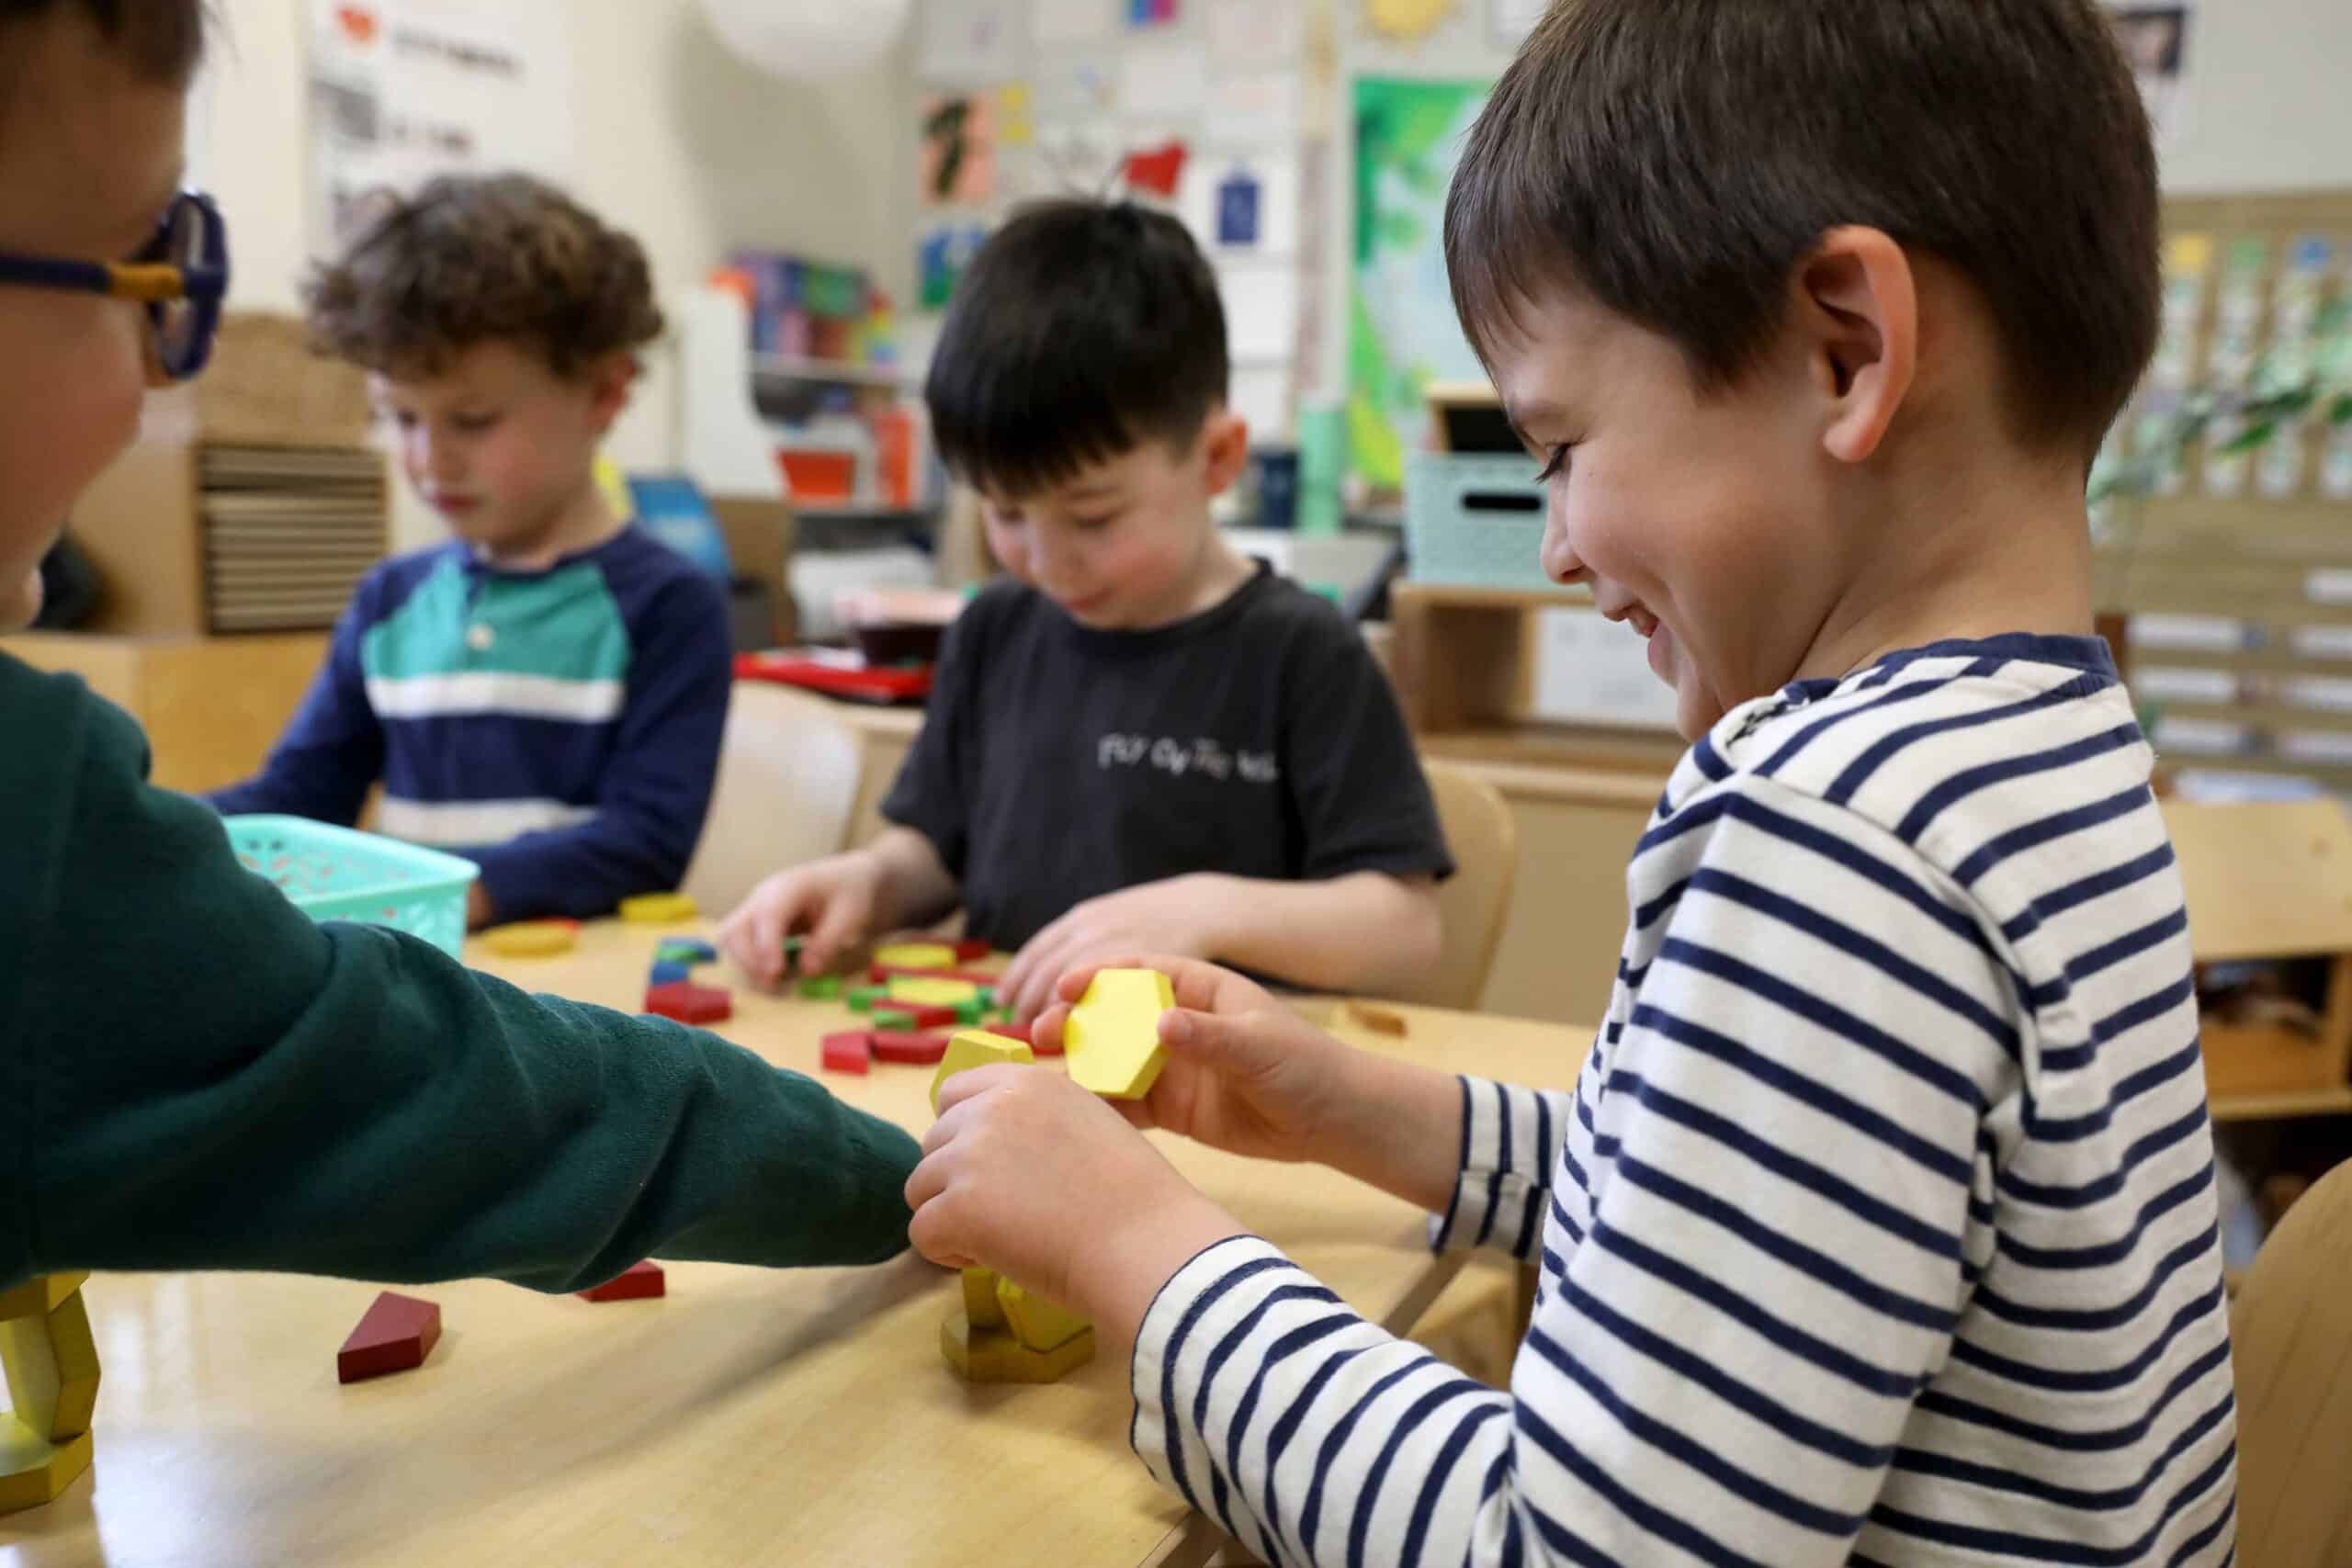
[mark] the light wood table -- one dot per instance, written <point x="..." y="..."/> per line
<point x="752" y="1415"/>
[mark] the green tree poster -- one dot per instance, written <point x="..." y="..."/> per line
<point x="1402" y="334"/>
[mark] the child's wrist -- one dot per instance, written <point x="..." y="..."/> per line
<point x="1134" y="1258"/>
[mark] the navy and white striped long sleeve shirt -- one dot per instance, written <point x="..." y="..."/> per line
<point x="1879" y="1226"/>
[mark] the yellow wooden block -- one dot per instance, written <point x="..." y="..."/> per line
<point x="531" y="939"/>
<point x="1037" y="1323"/>
<point x="77" y="1369"/>
<point x="1112" y="1035"/>
<point x="916" y="955"/>
<point x="658" y="909"/>
<point x="975" y="1048"/>
<point x="992" y="1355"/>
<point x="39" y="1298"/>
<point x="979" y="1298"/>
<point x="34" y="1471"/>
<point x="928" y="993"/>
<point x="51" y="1364"/>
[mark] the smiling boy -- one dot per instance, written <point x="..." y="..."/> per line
<point x="1880" y="1225"/>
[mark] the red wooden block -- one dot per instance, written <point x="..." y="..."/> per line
<point x="882" y="973"/>
<point x="968" y="951"/>
<point x="926" y="1017"/>
<point x="849" y="1053"/>
<point x="397" y="1334"/>
<point x="690" y="1003"/>
<point x="916" y="1050"/>
<point x="643" y="1281"/>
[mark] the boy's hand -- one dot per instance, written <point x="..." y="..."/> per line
<point x="831" y="902"/>
<point x="1179" y="916"/>
<point x="1029" y="1175"/>
<point x="1243" y="1073"/>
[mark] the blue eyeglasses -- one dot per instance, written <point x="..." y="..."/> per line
<point x="181" y="275"/>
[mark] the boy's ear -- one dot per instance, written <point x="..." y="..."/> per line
<point x="1858" y="306"/>
<point x="610" y="380"/>
<point x="1225" y="438"/>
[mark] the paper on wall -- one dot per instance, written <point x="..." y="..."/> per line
<point x="406" y="89"/>
<point x="1055" y="24"/>
<point x="1202" y="202"/>
<point x="967" y="40"/>
<point x="1260" y="309"/>
<point x="1261" y="396"/>
<point x="1164" y="80"/>
<point x="1254" y="110"/>
<point x="1256" y="33"/>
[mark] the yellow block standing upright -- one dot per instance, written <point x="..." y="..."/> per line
<point x="51" y="1359"/>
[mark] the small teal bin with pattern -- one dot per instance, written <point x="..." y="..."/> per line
<point x="338" y="873"/>
<point x="1474" y="520"/>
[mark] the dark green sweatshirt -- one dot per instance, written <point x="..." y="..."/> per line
<point x="194" y="1075"/>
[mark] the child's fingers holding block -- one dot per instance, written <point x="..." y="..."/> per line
<point x="975" y="1048"/>
<point x="1112" y="1035"/>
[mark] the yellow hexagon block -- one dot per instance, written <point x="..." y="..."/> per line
<point x="979" y="1299"/>
<point x="658" y="909"/>
<point x="52" y="1367"/>
<point x="1037" y="1323"/>
<point x="992" y="1355"/>
<point x="34" y="1471"/>
<point x="915" y="956"/>
<point x="975" y="1048"/>
<point x="39" y="1298"/>
<point x="928" y="993"/>
<point x="531" y="939"/>
<point x="1112" y="1035"/>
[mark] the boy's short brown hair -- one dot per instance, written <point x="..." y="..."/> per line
<point x="1674" y="160"/>
<point x="470" y="260"/>
<point x="163" y="39"/>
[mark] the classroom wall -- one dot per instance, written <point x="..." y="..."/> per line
<point x="677" y="142"/>
<point x="2267" y="108"/>
<point x="2268" y="105"/>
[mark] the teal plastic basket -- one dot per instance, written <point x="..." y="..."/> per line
<point x="336" y="874"/>
<point x="1474" y="520"/>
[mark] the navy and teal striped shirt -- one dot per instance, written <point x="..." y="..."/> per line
<point x="1879" y="1228"/>
<point x="559" y="729"/>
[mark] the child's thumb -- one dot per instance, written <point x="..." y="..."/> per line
<point x="1212" y="1040"/>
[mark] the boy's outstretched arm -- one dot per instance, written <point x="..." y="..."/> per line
<point x="655" y="790"/>
<point x="331" y="752"/>
<point x="1362" y="931"/>
<point x="197" y="1075"/>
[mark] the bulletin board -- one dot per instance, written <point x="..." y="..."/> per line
<point x="2229" y="560"/>
<point x="1196" y="105"/>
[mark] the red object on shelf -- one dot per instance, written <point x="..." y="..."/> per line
<point x="641" y="1281"/>
<point x="785" y="668"/>
<point x="397" y="1334"/>
<point x="1158" y="170"/>
<point x="819" y="476"/>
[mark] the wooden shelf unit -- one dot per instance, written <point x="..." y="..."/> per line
<point x="1463" y="663"/>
